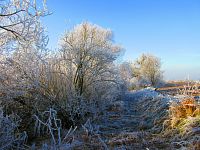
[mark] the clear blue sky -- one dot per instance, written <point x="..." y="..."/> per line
<point x="169" y="29"/>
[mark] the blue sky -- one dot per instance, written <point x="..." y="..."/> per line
<point x="169" y="29"/>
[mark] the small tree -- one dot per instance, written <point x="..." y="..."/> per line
<point x="148" y="67"/>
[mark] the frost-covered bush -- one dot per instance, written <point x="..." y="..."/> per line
<point x="48" y="123"/>
<point x="21" y="39"/>
<point x="22" y="50"/>
<point x="10" y="137"/>
<point x="21" y="86"/>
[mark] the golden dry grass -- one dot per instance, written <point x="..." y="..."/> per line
<point x="187" y="107"/>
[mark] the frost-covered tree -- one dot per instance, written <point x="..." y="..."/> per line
<point x="147" y="68"/>
<point x="89" y="52"/>
<point x="86" y="62"/>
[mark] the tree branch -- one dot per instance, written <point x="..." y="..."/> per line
<point x="14" y="13"/>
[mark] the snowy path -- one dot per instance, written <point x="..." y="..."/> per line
<point x="124" y="125"/>
<point x="123" y="117"/>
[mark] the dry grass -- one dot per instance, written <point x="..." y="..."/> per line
<point x="182" y="110"/>
<point x="182" y="129"/>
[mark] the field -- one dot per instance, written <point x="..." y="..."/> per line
<point x="180" y="87"/>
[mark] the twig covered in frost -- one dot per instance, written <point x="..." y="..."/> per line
<point x="54" y="127"/>
<point x="52" y="124"/>
<point x="69" y="133"/>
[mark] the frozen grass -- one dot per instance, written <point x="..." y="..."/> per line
<point x="141" y="119"/>
<point x="10" y="137"/>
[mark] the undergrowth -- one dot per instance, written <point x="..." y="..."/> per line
<point x="183" y="126"/>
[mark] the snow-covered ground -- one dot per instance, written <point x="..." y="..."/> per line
<point x="135" y="122"/>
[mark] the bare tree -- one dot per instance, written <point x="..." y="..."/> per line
<point x="148" y="67"/>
